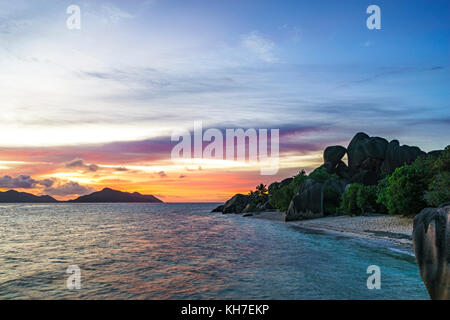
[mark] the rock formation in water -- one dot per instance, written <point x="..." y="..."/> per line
<point x="236" y="204"/>
<point x="431" y="239"/>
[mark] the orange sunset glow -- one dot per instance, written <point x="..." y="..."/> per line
<point x="201" y="181"/>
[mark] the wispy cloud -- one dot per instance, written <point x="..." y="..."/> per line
<point x="261" y="46"/>
<point x="79" y="164"/>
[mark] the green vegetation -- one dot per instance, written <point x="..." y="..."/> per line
<point x="426" y="182"/>
<point x="331" y="201"/>
<point x="280" y="198"/>
<point x="259" y="196"/>
<point x="405" y="191"/>
<point x="358" y="199"/>
<point x="439" y="190"/>
<point x="321" y="175"/>
<point x="412" y="187"/>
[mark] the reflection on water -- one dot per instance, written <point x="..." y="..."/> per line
<point x="180" y="251"/>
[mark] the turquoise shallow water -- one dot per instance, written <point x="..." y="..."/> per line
<point x="181" y="251"/>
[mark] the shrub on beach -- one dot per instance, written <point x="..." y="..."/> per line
<point x="349" y="200"/>
<point x="280" y="198"/>
<point x="405" y="191"/>
<point x="331" y="201"/>
<point x="358" y="199"/>
<point x="439" y="190"/>
<point x="412" y="187"/>
<point x="381" y="195"/>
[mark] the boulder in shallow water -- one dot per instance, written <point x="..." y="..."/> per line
<point x="236" y="204"/>
<point x="307" y="204"/>
<point x="431" y="239"/>
<point x="218" y="209"/>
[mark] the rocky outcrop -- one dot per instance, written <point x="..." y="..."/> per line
<point x="342" y="170"/>
<point x="236" y="204"/>
<point x="365" y="156"/>
<point x="431" y="239"/>
<point x="397" y="156"/>
<point x="307" y="203"/>
<point x="369" y="158"/>
<point x="333" y="155"/>
<point x="218" y="209"/>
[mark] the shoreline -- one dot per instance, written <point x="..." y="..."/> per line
<point x="379" y="227"/>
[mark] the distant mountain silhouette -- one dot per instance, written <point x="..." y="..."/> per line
<point x="13" y="196"/>
<point x="110" y="195"/>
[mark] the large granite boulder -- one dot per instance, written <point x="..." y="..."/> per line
<point x="236" y="204"/>
<point x="355" y="153"/>
<point x="397" y="156"/>
<point x="333" y="155"/>
<point x="307" y="204"/>
<point x="362" y="147"/>
<point x="218" y="209"/>
<point x="431" y="239"/>
<point x="366" y="177"/>
<point x="342" y="170"/>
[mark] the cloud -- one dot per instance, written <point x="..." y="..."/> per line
<point x="294" y="33"/>
<point x="259" y="45"/>
<point x="79" y="164"/>
<point x="162" y="174"/>
<point x="115" y="14"/>
<point x="69" y="188"/>
<point x="23" y="182"/>
<point x="111" y="14"/>
<point x="391" y="72"/>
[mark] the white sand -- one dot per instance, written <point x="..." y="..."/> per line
<point x="385" y="227"/>
<point x="375" y="226"/>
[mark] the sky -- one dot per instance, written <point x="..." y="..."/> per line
<point x="95" y="107"/>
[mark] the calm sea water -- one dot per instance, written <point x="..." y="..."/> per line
<point x="181" y="251"/>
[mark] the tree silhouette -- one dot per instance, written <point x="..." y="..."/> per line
<point x="261" y="189"/>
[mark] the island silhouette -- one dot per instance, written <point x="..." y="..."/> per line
<point x="103" y="196"/>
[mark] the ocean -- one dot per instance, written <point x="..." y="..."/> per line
<point x="181" y="251"/>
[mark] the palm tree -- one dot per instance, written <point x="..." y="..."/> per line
<point x="261" y="189"/>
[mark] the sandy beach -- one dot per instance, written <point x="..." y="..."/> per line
<point x="374" y="226"/>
